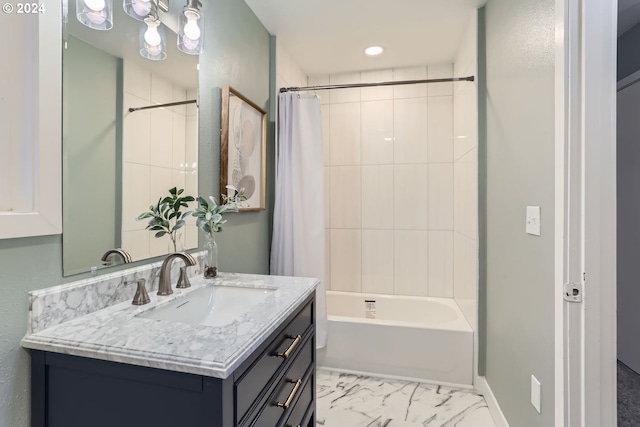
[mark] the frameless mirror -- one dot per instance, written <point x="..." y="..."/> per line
<point x="116" y="162"/>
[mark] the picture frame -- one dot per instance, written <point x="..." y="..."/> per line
<point x="243" y="148"/>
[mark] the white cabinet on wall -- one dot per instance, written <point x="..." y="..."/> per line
<point x="30" y="124"/>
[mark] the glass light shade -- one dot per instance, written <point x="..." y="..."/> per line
<point x="191" y="31"/>
<point x="138" y="9"/>
<point x="153" y="43"/>
<point x="96" y="14"/>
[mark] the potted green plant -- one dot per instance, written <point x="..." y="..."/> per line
<point x="167" y="216"/>
<point x="209" y="219"/>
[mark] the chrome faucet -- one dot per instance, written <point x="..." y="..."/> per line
<point x="164" y="286"/>
<point x="109" y="256"/>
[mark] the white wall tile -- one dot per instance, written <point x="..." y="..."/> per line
<point x="326" y="133"/>
<point x="440" y="71"/>
<point x="191" y="237"/>
<point x="441" y="264"/>
<point x="466" y="195"/>
<point x="346" y="260"/>
<point x="377" y="261"/>
<point x="191" y="188"/>
<point x="179" y="141"/>
<point x="136" y="243"/>
<point x="410" y="128"/>
<point x="441" y="196"/>
<point x="339" y="96"/>
<point x="135" y="195"/>
<point x="377" y="132"/>
<point x="440" y="129"/>
<point x="191" y="141"/>
<point x="377" y="93"/>
<point x="327" y="197"/>
<point x="323" y="80"/>
<point x="178" y="181"/>
<point x="159" y="246"/>
<point x="410" y="197"/>
<point x="136" y="132"/>
<point x="377" y="191"/>
<point x="161" y="143"/>
<point x="283" y="62"/>
<point x="346" y="197"/>
<point x="179" y="94"/>
<point x="161" y="90"/>
<point x="465" y="119"/>
<point x="137" y="81"/>
<point x="345" y="134"/>
<point x="410" y="263"/>
<point x="413" y="90"/>
<point x="327" y="258"/>
<point x="466" y="264"/>
<point x="192" y="109"/>
<point x="161" y="180"/>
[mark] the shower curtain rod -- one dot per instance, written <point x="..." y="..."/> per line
<point x="170" y="104"/>
<point x="355" y="85"/>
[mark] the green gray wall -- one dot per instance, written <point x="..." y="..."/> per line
<point x="519" y="166"/>
<point x="90" y="89"/>
<point x="236" y="53"/>
<point x="629" y="52"/>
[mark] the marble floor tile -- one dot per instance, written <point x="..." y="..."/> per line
<point x="345" y="400"/>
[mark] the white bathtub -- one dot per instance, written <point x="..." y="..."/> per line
<point x="419" y="338"/>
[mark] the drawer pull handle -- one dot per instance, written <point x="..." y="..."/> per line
<point x="286" y="404"/>
<point x="293" y="345"/>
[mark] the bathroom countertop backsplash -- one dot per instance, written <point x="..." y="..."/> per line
<point x="52" y="306"/>
<point x="94" y="318"/>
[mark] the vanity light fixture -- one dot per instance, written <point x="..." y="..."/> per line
<point x="137" y="9"/>
<point x="373" y="50"/>
<point x="191" y="31"/>
<point x="96" y="14"/>
<point x="152" y="40"/>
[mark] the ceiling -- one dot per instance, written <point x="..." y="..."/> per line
<point x="628" y="14"/>
<point x="329" y="36"/>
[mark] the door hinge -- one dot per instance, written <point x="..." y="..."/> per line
<point x="572" y="292"/>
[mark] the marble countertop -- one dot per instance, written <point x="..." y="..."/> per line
<point x="118" y="334"/>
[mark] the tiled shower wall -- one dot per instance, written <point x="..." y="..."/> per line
<point x="389" y="183"/>
<point x="288" y="72"/>
<point x="465" y="188"/>
<point x="160" y="151"/>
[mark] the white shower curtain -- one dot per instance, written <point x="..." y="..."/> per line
<point x="297" y="248"/>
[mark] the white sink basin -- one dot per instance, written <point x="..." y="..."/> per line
<point x="210" y="306"/>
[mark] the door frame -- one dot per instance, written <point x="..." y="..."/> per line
<point x="585" y="336"/>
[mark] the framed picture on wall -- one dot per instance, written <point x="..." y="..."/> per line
<point x="243" y="157"/>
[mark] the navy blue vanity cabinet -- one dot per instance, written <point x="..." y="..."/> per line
<point x="273" y="387"/>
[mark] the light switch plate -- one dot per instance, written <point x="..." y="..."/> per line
<point x="533" y="220"/>
<point x="535" y="393"/>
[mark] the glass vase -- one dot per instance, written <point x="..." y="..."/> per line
<point x="211" y="257"/>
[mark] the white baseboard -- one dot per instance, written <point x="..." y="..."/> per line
<point x="482" y="387"/>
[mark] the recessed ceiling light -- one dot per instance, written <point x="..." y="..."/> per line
<point x="373" y="50"/>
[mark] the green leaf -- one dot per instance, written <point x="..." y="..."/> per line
<point x="180" y="191"/>
<point x="179" y="224"/>
<point x="160" y="233"/>
<point x="173" y="191"/>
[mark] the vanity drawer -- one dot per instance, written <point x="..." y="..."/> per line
<point x="282" y="348"/>
<point x="289" y="389"/>
<point x="298" y="413"/>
